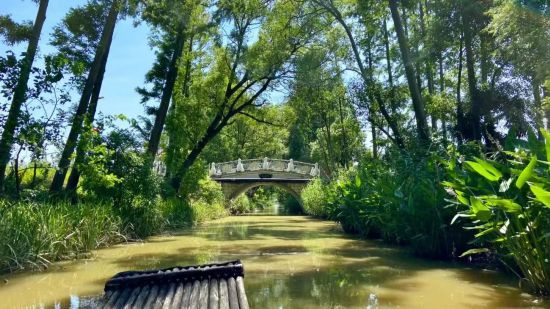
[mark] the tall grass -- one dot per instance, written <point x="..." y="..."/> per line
<point x="34" y="234"/>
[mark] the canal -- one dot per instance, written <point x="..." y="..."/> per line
<point x="290" y="262"/>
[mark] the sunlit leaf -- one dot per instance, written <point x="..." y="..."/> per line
<point x="483" y="171"/>
<point x="526" y="173"/>
<point x="482" y="212"/>
<point x="474" y="251"/>
<point x="541" y="195"/>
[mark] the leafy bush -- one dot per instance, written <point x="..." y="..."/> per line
<point x="314" y="198"/>
<point x="507" y="203"/>
<point x="240" y="205"/>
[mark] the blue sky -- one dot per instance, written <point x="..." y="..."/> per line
<point x="129" y="59"/>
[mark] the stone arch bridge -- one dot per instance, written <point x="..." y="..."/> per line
<point x="237" y="177"/>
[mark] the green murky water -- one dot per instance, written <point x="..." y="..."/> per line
<point x="290" y="262"/>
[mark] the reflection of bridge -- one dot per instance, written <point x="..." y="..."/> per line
<point x="239" y="176"/>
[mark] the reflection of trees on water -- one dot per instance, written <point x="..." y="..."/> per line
<point x="327" y="288"/>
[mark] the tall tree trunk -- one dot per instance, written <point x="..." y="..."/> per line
<point x="19" y="94"/>
<point x="74" y="177"/>
<point x="442" y="92"/>
<point x="459" y="110"/>
<point x="472" y="82"/>
<point x="160" y="119"/>
<point x="76" y="128"/>
<point x="374" y="141"/>
<point x="418" y="103"/>
<point x="345" y="158"/>
<point x="538" y="105"/>
<point x="34" y="171"/>
<point x="389" y="67"/>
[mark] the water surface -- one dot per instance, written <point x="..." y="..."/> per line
<point x="290" y="262"/>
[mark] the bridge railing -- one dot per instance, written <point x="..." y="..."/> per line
<point x="252" y="165"/>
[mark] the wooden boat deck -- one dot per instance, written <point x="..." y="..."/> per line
<point x="210" y="286"/>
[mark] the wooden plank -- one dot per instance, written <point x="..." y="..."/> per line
<point x="203" y="294"/>
<point x="159" y="301"/>
<point x="224" y="298"/>
<point x="152" y="297"/>
<point x="194" y="299"/>
<point x="187" y="294"/>
<point x="243" y="301"/>
<point x="113" y="299"/>
<point x="168" y="299"/>
<point x="232" y="292"/>
<point x="213" y="295"/>
<point x="142" y="297"/>
<point x="132" y="298"/>
<point x="178" y="297"/>
<point x="123" y="297"/>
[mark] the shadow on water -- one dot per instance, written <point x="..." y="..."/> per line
<point x="300" y="262"/>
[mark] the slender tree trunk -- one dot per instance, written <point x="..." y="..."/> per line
<point x="442" y="92"/>
<point x="16" y="173"/>
<point x="34" y="171"/>
<point x="345" y="157"/>
<point x="19" y="95"/>
<point x="374" y="141"/>
<point x="160" y="119"/>
<point x="538" y="105"/>
<point x="418" y="103"/>
<point x="459" y="111"/>
<point x="389" y="67"/>
<point x="74" y="177"/>
<point x="76" y="128"/>
<point x="472" y="82"/>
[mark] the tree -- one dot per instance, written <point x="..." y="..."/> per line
<point x="6" y="142"/>
<point x="76" y="128"/>
<point x="247" y="71"/>
<point x="416" y="97"/>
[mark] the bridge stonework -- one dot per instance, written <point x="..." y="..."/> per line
<point x="237" y="177"/>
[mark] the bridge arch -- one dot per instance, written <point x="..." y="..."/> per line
<point x="239" y="176"/>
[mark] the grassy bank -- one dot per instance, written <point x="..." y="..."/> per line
<point x="35" y="234"/>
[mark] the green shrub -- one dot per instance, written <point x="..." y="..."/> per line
<point x="314" y="198"/>
<point x="240" y="205"/>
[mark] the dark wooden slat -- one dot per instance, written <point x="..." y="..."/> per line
<point x="178" y="297"/>
<point x="213" y="295"/>
<point x="194" y="299"/>
<point x="224" y="297"/>
<point x="122" y="298"/>
<point x="243" y="301"/>
<point x="187" y="294"/>
<point x="203" y="295"/>
<point x="132" y="298"/>
<point x="152" y="297"/>
<point x="232" y="292"/>
<point x="113" y="299"/>
<point x="142" y="298"/>
<point x="169" y="297"/>
<point x="159" y="301"/>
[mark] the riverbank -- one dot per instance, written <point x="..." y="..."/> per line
<point x="33" y="235"/>
<point x="290" y="262"/>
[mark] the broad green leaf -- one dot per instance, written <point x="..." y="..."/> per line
<point x="460" y="197"/>
<point x="357" y="181"/>
<point x="482" y="212"/>
<point x="506" y="204"/>
<point x="488" y="166"/>
<point x="527" y="172"/>
<point x="483" y="171"/>
<point x="474" y="251"/>
<point x="541" y="195"/>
